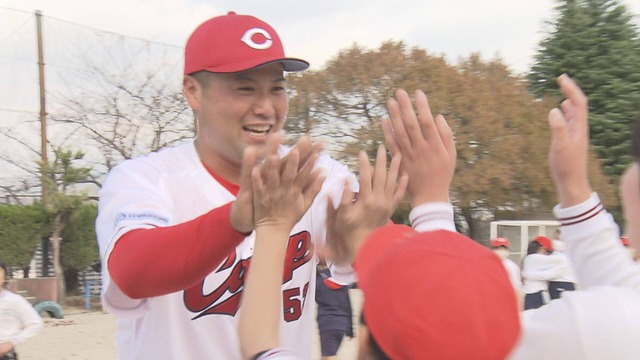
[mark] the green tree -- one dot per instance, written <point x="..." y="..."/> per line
<point x="80" y="247"/>
<point x="500" y="129"/>
<point x="21" y="228"/>
<point x="595" y="42"/>
<point x="64" y="198"/>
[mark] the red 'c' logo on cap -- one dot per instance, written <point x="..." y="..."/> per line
<point x="247" y="38"/>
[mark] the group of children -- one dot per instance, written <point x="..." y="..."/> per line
<point x="429" y="291"/>
<point x="545" y="273"/>
<point x="546" y="270"/>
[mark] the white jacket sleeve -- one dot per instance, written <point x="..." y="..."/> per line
<point x="31" y="321"/>
<point x="592" y="324"/>
<point x="594" y="247"/>
<point x="432" y="216"/>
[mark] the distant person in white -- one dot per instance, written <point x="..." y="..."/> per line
<point x="501" y="246"/>
<point x="538" y="268"/>
<point x="566" y="278"/>
<point x="18" y="319"/>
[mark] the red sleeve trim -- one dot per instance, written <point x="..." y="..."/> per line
<point x="159" y="261"/>
<point x="582" y="217"/>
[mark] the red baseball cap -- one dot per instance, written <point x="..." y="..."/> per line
<point x="234" y="43"/>
<point x="497" y="242"/>
<point x="436" y="295"/>
<point x="545" y="242"/>
<point x="625" y="240"/>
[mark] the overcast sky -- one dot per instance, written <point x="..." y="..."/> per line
<point x="317" y="30"/>
<point x="310" y="29"/>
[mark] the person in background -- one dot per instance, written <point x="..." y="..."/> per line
<point x="624" y="239"/>
<point x="501" y="246"/>
<point x="335" y="316"/>
<point x="19" y="321"/>
<point x="566" y="278"/>
<point x="538" y="267"/>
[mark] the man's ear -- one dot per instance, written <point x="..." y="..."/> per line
<point x="192" y="92"/>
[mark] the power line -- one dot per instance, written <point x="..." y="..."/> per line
<point x="115" y="33"/>
<point x="18" y="10"/>
<point x="18" y="59"/>
<point x="18" y="111"/>
<point x="96" y="29"/>
<point x="15" y="30"/>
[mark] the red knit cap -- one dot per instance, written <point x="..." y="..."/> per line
<point x="436" y="295"/>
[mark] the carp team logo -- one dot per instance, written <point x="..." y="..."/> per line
<point x="216" y="302"/>
<point x="247" y="38"/>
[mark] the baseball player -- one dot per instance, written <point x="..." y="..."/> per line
<point x="175" y="227"/>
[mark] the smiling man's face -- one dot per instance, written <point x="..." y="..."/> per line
<point x="235" y="111"/>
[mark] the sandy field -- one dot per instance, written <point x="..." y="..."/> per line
<point x="90" y="335"/>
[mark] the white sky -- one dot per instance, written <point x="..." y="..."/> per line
<point x="316" y="30"/>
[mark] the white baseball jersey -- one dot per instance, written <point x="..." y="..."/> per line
<point x="171" y="187"/>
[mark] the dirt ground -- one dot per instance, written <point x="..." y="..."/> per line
<point x="90" y="335"/>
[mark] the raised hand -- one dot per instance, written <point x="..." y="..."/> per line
<point x="380" y="193"/>
<point x="426" y="144"/>
<point x="283" y="190"/>
<point x="241" y="216"/>
<point x="569" y="144"/>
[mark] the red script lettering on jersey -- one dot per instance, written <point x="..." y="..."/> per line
<point x="299" y="252"/>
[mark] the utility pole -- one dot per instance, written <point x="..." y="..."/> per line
<point x="43" y="111"/>
<point x="55" y="238"/>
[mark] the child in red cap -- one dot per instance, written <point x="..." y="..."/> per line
<point x="565" y="280"/>
<point x="501" y="246"/>
<point x="537" y="269"/>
